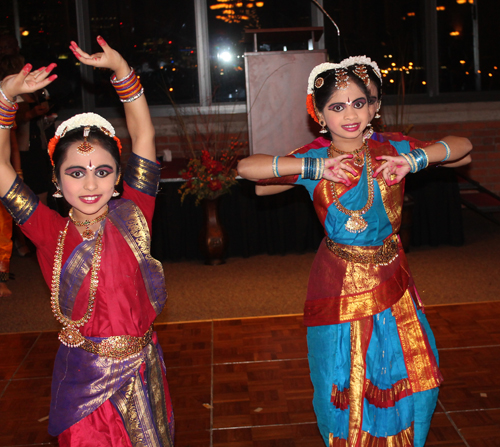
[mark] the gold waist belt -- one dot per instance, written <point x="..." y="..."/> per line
<point x="116" y="347"/>
<point x="382" y="255"/>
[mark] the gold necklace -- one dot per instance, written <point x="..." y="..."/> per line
<point x="356" y="223"/>
<point x="87" y="234"/>
<point x="70" y="335"/>
<point x="358" y="159"/>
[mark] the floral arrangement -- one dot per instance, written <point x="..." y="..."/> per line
<point x="211" y="174"/>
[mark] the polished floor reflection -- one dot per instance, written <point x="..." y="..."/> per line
<point x="245" y="382"/>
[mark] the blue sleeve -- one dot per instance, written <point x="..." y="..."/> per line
<point x="403" y="147"/>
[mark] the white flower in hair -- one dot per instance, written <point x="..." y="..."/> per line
<point x="361" y="60"/>
<point x="316" y="71"/>
<point x="85" y="119"/>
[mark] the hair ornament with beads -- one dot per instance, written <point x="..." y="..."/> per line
<point x="362" y="60"/>
<point x="82" y="120"/>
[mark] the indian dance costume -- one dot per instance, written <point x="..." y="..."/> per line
<point x="372" y="355"/>
<point x="109" y="385"/>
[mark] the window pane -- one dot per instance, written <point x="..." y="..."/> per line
<point x="459" y="46"/>
<point x="227" y="23"/>
<point x="158" y="39"/>
<point x="46" y="32"/>
<point x="391" y="33"/>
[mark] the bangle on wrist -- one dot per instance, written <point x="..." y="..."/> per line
<point x="275" y="167"/>
<point x="7" y="115"/>
<point x="128" y="88"/>
<point x="448" y="151"/>
<point x="417" y="159"/>
<point x="313" y="168"/>
<point x="11" y="102"/>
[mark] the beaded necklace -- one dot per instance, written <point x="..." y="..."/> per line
<point x="87" y="234"/>
<point x="355" y="223"/>
<point x="69" y="334"/>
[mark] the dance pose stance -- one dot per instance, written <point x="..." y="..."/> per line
<point x="281" y="184"/>
<point x="372" y="354"/>
<point x="109" y="385"/>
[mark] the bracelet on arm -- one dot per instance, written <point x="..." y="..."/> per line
<point x="128" y="88"/>
<point x="275" y="166"/>
<point x="11" y="102"/>
<point x="417" y="159"/>
<point x="313" y="168"/>
<point x="448" y="151"/>
<point x="7" y="115"/>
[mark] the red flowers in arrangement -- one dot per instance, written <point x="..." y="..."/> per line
<point x="211" y="174"/>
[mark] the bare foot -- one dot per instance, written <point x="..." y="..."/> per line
<point x="4" y="290"/>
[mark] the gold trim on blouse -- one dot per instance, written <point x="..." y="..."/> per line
<point x="142" y="174"/>
<point x="20" y="201"/>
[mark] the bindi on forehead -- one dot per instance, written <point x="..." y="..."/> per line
<point x="90" y="166"/>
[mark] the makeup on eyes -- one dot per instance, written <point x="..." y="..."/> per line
<point x="72" y="169"/>
<point x="354" y="103"/>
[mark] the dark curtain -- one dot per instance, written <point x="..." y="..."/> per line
<point x="287" y="223"/>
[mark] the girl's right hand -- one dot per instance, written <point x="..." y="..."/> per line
<point x="335" y="169"/>
<point x="27" y="81"/>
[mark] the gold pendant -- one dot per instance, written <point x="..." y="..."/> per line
<point x="356" y="224"/>
<point x="71" y="337"/>
<point x="87" y="234"/>
<point x="359" y="160"/>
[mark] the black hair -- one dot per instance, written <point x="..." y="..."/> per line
<point x="325" y="92"/>
<point x="375" y="79"/>
<point x="96" y="135"/>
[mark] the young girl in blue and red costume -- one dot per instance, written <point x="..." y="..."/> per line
<point x="109" y="386"/>
<point x="372" y="355"/>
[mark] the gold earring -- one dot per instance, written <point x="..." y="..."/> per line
<point x="115" y="192"/>
<point x="58" y="193"/>
<point x="323" y="128"/>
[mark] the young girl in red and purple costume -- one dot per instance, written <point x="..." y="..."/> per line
<point x="109" y="386"/>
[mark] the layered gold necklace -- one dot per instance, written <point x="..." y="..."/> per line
<point x="355" y="223"/>
<point x="358" y="156"/>
<point x="87" y="234"/>
<point x="70" y="335"/>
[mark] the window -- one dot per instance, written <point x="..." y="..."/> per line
<point x="227" y="22"/>
<point x="158" y="39"/>
<point x="193" y="50"/>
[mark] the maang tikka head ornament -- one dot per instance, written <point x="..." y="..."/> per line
<point x="85" y="148"/>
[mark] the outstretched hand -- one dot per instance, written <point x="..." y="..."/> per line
<point x="335" y="170"/>
<point x="393" y="170"/>
<point x="108" y="58"/>
<point x="27" y="81"/>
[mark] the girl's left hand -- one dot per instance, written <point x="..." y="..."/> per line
<point x="393" y="170"/>
<point x="109" y="58"/>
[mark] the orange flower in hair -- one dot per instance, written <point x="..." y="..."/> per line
<point x="52" y="147"/>
<point x="311" y="108"/>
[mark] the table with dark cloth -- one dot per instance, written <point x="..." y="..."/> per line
<point x="286" y="223"/>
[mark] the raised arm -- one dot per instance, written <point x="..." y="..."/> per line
<point x="139" y="124"/>
<point x="24" y="82"/>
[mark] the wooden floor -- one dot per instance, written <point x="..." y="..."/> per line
<point x="245" y="382"/>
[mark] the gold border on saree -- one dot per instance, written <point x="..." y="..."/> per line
<point x="383" y="255"/>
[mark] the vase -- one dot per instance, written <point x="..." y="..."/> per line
<point x="212" y="235"/>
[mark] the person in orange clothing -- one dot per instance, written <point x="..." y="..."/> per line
<point x="5" y="218"/>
